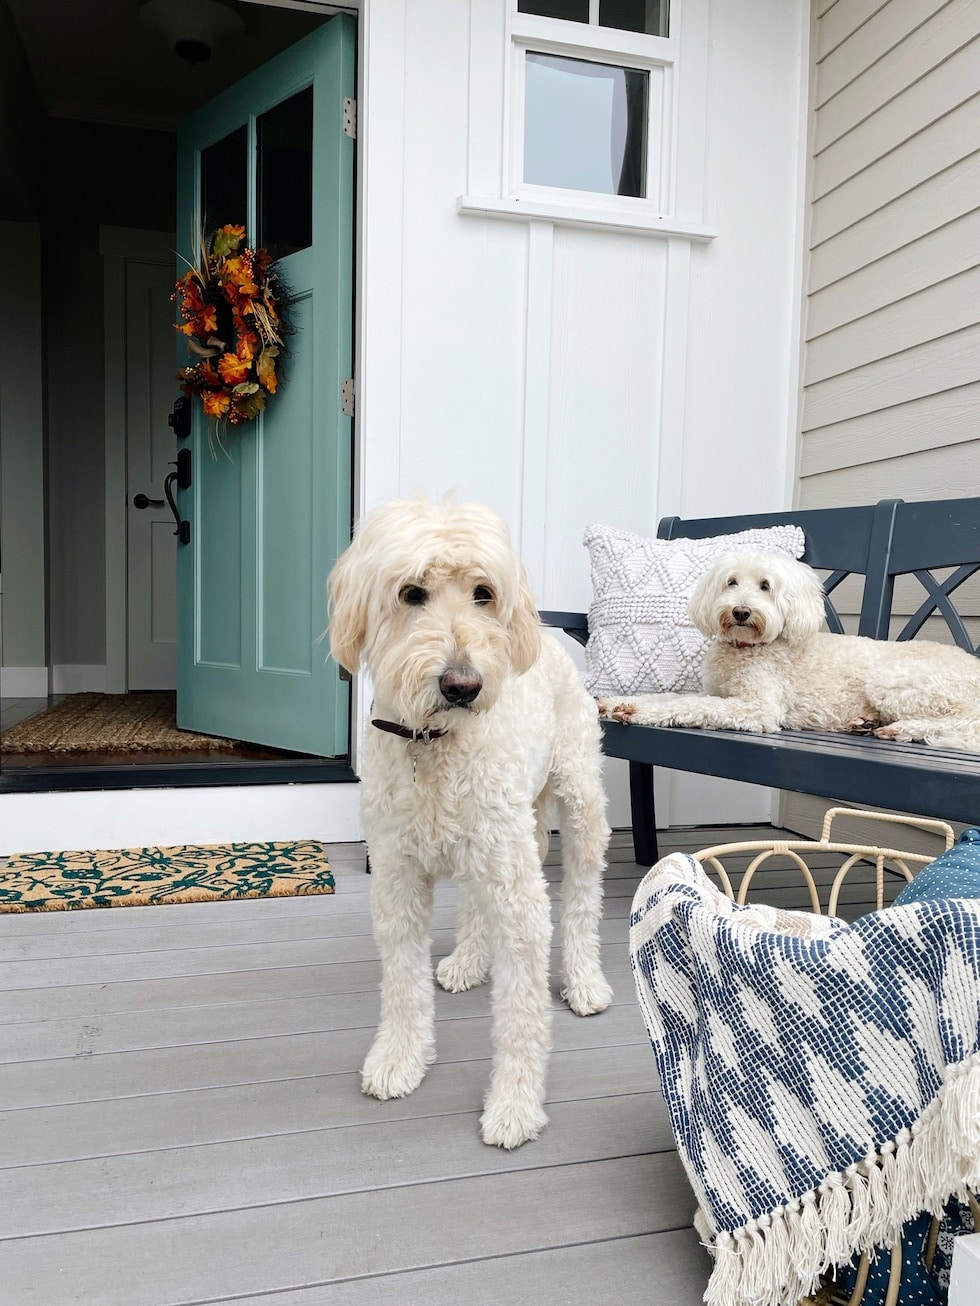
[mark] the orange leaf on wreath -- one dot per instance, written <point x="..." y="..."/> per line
<point x="232" y="369"/>
<point x="238" y="272"/>
<point x="191" y="291"/>
<point x="265" y="370"/>
<point x="216" y="403"/>
<point x="247" y="345"/>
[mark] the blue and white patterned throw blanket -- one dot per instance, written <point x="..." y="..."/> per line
<point x="823" y="1080"/>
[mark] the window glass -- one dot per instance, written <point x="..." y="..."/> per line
<point x="285" y="175"/>
<point x="584" y="125"/>
<point x="572" y="11"/>
<point x="224" y="181"/>
<point x="648" y="16"/>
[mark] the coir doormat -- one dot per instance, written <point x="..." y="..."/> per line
<point x="107" y="723"/>
<point x="140" y="877"/>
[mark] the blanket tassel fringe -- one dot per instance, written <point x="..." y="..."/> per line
<point x="777" y="1259"/>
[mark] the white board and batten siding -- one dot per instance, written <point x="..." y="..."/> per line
<point x="891" y="371"/>
<point x="557" y="366"/>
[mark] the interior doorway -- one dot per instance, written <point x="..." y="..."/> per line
<point x="103" y="124"/>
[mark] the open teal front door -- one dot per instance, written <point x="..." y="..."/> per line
<point x="269" y="504"/>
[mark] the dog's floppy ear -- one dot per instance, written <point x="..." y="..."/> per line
<point x="800" y="597"/>
<point x="701" y="607"/>
<point x="348" y="610"/>
<point x="524" y="626"/>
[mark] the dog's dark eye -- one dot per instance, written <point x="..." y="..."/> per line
<point x="732" y="581"/>
<point x="414" y="595"/>
<point x="765" y="586"/>
<point x="482" y="595"/>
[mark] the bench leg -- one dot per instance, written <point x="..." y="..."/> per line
<point x="644" y="816"/>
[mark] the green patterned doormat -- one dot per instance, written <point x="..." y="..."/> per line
<point x="140" y="877"/>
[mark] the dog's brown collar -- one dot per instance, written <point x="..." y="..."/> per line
<point x="423" y="736"/>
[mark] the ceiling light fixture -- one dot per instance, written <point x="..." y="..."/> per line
<point x="191" y="28"/>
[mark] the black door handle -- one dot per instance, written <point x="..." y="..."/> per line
<point x="141" y="501"/>
<point x="183" y="478"/>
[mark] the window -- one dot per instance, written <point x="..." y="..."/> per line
<point x="285" y="175"/>
<point x="649" y="16"/>
<point x="584" y="125"/>
<point x="591" y="99"/>
<point x="224" y="180"/>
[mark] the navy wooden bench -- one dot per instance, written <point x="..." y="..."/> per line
<point x="875" y="543"/>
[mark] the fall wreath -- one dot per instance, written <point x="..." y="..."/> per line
<point x="232" y="303"/>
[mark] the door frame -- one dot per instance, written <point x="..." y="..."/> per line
<point x="118" y="247"/>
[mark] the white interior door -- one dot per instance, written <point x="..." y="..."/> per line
<point x="151" y="598"/>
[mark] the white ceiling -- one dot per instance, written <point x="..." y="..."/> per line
<point x="94" y="60"/>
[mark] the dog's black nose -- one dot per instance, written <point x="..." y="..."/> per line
<point x="741" y="615"/>
<point x="460" y="685"/>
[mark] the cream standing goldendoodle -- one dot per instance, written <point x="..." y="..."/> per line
<point x="770" y="667"/>
<point x="480" y="725"/>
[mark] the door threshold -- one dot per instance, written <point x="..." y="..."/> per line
<point x="173" y="775"/>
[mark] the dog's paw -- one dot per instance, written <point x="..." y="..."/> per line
<point x="387" y="1074"/>
<point x="894" y="732"/>
<point x="862" y="725"/>
<point x="613" y="709"/>
<point x="588" y="998"/>
<point x="506" y="1125"/>
<point x="461" y="971"/>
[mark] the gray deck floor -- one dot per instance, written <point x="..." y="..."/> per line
<point x="181" y="1121"/>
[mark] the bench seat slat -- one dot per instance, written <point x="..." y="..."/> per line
<point x="875" y="772"/>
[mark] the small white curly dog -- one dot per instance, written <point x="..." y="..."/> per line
<point x="770" y="667"/>
<point x="478" y="723"/>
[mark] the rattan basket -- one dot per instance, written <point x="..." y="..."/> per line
<point x="852" y="855"/>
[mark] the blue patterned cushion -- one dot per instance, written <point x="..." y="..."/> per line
<point x="954" y="874"/>
<point x="927" y="1253"/>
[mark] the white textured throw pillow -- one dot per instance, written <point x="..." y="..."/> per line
<point x="641" y="640"/>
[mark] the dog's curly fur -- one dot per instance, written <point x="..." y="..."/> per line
<point x="770" y="667"/>
<point x="433" y="601"/>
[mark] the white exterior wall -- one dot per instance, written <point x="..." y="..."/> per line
<point x="561" y="373"/>
<point x="569" y="374"/>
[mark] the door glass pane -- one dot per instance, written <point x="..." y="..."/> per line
<point x="224" y="181"/>
<point x="285" y="145"/>
<point x="584" y="125"/>
<point x="648" y="16"/>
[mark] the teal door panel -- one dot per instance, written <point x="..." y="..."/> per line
<point x="269" y="505"/>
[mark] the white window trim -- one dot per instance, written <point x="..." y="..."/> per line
<point x="496" y="124"/>
<point x="519" y="208"/>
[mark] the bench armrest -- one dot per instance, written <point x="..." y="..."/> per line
<point x="575" y="624"/>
